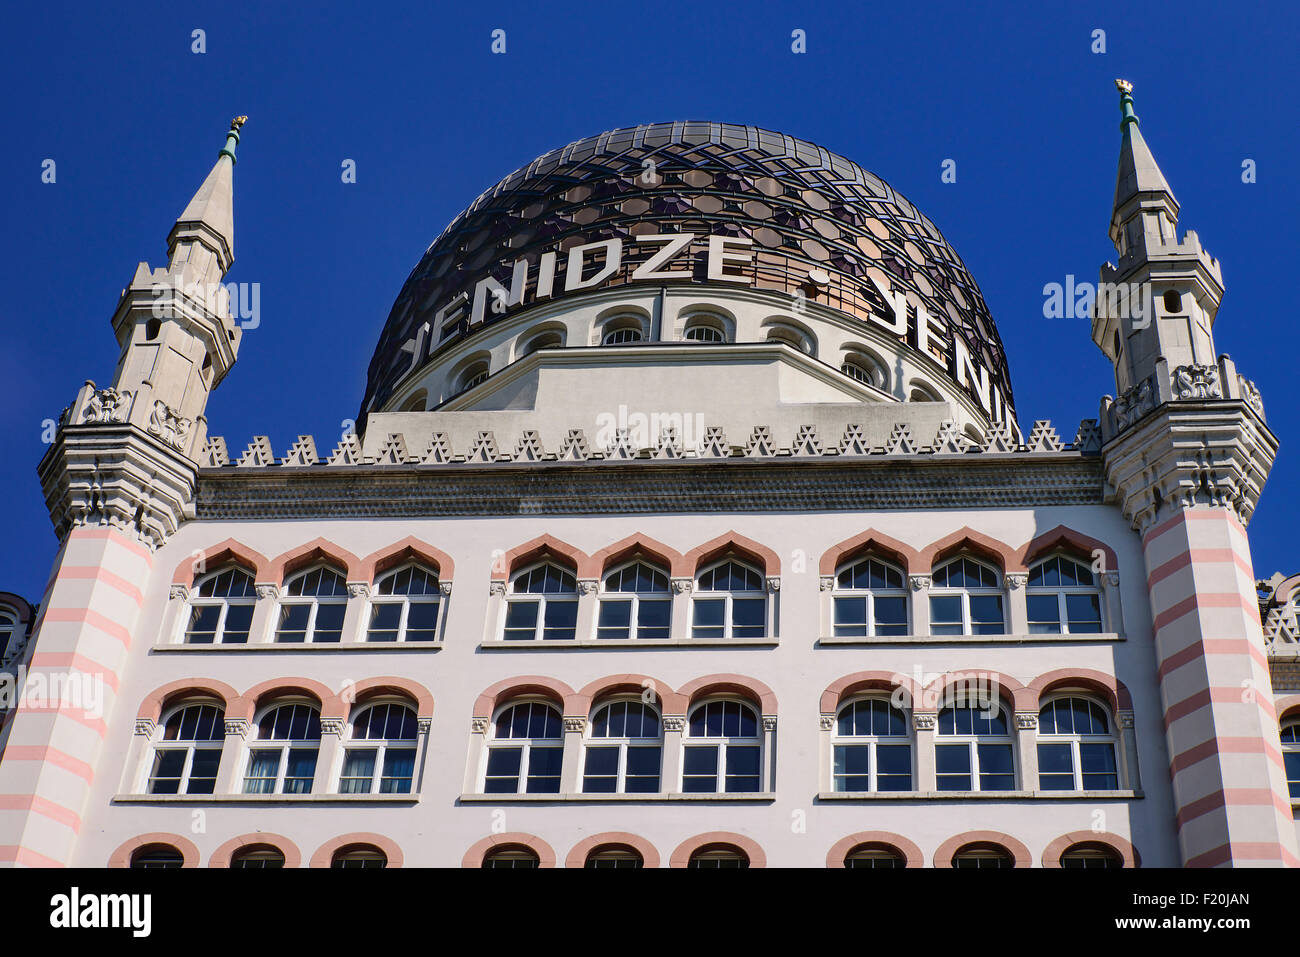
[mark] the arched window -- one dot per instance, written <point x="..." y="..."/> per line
<point x="380" y="758"/>
<point x="982" y="856"/>
<point x="157" y="857"/>
<point x="874" y="855"/>
<point x="550" y="339"/>
<point x="622" y="330"/>
<point x="865" y="369"/>
<point x="618" y="856"/>
<point x="186" y="757"/>
<point x="870" y="599"/>
<point x="511" y="856"/>
<point x="359" y="856"/>
<point x="1090" y="856"/>
<point x="312" y="607"/>
<point x="1076" y="750"/>
<point x="729" y="602"/>
<point x="872" y="750"/>
<point x="1291" y="756"/>
<point x="922" y="393"/>
<point x="718" y="856"/>
<point x="8" y="628"/>
<point x="221" y="610"/>
<point x="966" y="599"/>
<point x="973" y="749"/>
<point x="624" y="750"/>
<point x="1173" y="301"/>
<point x="635" y="602"/>
<point x="543" y="603"/>
<point x="475" y="374"/>
<point x="282" y="760"/>
<point x="723" y="749"/>
<point x="525" y="751"/>
<point x="1063" y="598"/>
<point x="258" y="857"/>
<point x="416" y="403"/>
<point x="792" y="337"/>
<point x="404" y="606"/>
<point x="704" y="328"/>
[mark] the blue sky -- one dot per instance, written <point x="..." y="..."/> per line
<point x="412" y="93"/>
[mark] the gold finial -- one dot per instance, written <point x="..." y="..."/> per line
<point x="237" y="122"/>
<point x="1124" y="86"/>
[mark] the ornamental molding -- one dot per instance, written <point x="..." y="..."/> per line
<point x="179" y="592"/>
<point x="919" y="582"/>
<point x="769" y="722"/>
<point x="358" y="589"/>
<point x="1124" y="719"/>
<point x="423" y="725"/>
<point x="1017" y="580"/>
<point x="674" y="723"/>
<point x="575" y="723"/>
<point x="145" y="727"/>
<point x="1026" y="720"/>
<point x="334" y="726"/>
<point x="496" y="588"/>
<point x="105" y="406"/>
<point x="166" y="423"/>
<point x="773" y="584"/>
<point x="683" y="586"/>
<point x="267" y="590"/>
<point x="924" y="721"/>
<point x="1134" y="403"/>
<point x="1195" y="381"/>
<point x="1111" y="579"/>
<point x="237" y="726"/>
<point x="826" y="583"/>
<point x="826" y="722"/>
<point x="588" y="586"/>
<point x="478" y="725"/>
<point x="444" y="587"/>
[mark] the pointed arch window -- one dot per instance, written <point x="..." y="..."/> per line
<point x="1063" y="598"/>
<point x="635" y="602"/>
<point x="188" y="752"/>
<point x="380" y="757"/>
<point x="221" y="610"/>
<point x="624" y="749"/>
<point x="1076" y="747"/>
<point x="870" y="599"/>
<point x="542" y="604"/>
<point x="973" y="748"/>
<point x="872" y="749"/>
<point x="526" y="750"/>
<point x="313" y="606"/>
<point x="283" y="757"/>
<point x="723" y="749"/>
<point x="729" y="602"/>
<point x="405" y="605"/>
<point x="966" y="599"/>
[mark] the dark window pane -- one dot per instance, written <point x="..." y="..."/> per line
<point x="422" y="621"/>
<point x="1083" y="613"/>
<point x="707" y="620"/>
<point x="986" y="614"/>
<point x="1044" y="615"/>
<point x="384" y="619"/>
<point x="561" y="619"/>
<point x="1099" y="771"/>
<point x="891" y="615"/>
<point x="521" y="620"/>
<point x="615" y="619"/>
<point x="202" y="627"/>
<point x="653" y="619"/>
<point x="238" y="620"/>
<point x="851" y="617"/>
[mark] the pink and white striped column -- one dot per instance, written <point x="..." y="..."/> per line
<point x="1224" y="751"/>
<point x="57" y="741"/>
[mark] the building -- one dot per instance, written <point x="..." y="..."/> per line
<point x="714" y="435"/>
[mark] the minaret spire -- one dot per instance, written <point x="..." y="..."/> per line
<point x="209" y="218"/>
<point x="1143" y="199"/>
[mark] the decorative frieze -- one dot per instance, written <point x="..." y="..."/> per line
<point x="105" y="406"/>
<point x="169" y="426"/>
<point x="769" y="723"/>
<point x="236" y="726"/>
<point x="478" y="725"/>
<point x="334" y="726"/>
<point x="1017" y="580"/>
<point x="683" y="586"/>
<point x="674" y="723"/>
<point x="919" y="582"/>
<point x="179" y="592"/>
<point x="145" y="727"/>
<point x="924" y="720"/>
<point x="1026" y="720"/>
<point x="1196" y="381"/>
<point x="575" y="724"/>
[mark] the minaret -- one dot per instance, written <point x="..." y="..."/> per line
<point x="119" y="479"/>
<point x="1187" y="450"/>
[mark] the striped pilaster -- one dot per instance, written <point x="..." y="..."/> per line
<point x="57" y="740"/>
<point x="1225" y="755"/>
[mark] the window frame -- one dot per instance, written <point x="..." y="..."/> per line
<point x="189" y="745"/>
<point x="728" y="624"/>
<point x="222" y="602"/>
<point x="313" y="602"/>
<point x="1061" y="592"/>
<point x="1076" y="740"/>
<point x="721" y="745"/>
<point x="285" y="747"/>
<point x="436" y="597"/>
<point x="525" y="745"/>
<point x="839" y="592"/>
<point x="872" y="742"/>
<point x="380" y="747"/>
<point x="973" y="740"/>
<point x="624" y="743"/>
<point x="965" y="593"/>
<point x="1291" y="749"/>
<point x="634" y="599"/>
<point x="541" y="599"/>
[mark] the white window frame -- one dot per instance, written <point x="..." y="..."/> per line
<point x="405" y="601"/>
<point x="541" y="599"/>
<point x="492" y="742"/>
<point x="974" y="740"/>
<point x="623" y="743"/>
<point x="314" y="601"/>
<point x="872" y="741"/>
<point x="222" y="602"/>
<point x="1061" y="591"/>
<point x="189" y="746"/>
<point x="870" y="594"/>
<point x="965" y="593"/>
<point x="1075" y="740"/>
<point x="283" y="745"/>
<point x="635" y="598"/>
<point x="1291" y="747"/>
<point x="721" y="743"/>
<point x="380" y="746"/>
<point x="698" y="594"/>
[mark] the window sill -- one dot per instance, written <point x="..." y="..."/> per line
<point x="612" y="644"/>
<point x="656" y="798"/>
<point x="266" y="798"/>
<point x="969" y="639"/>
<point x="291" y="648"/>
<point x="980" y="796"/>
